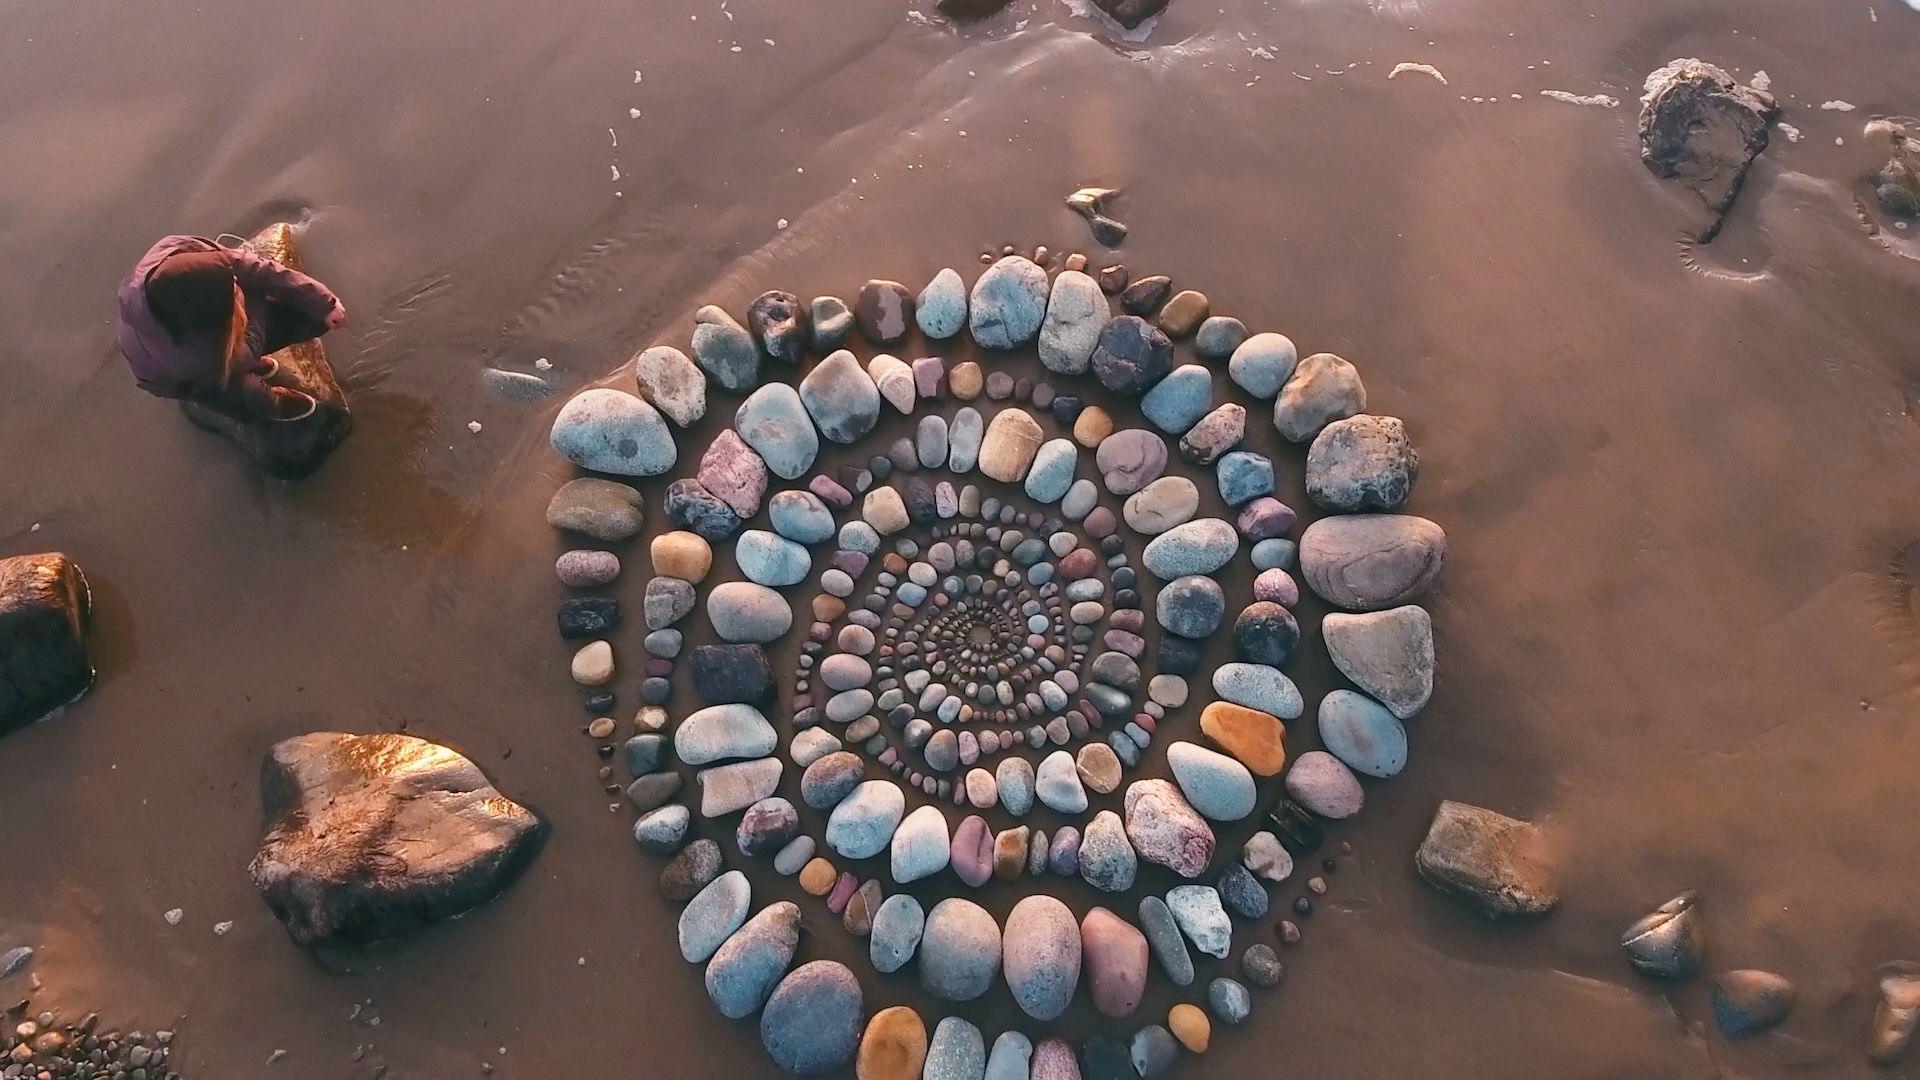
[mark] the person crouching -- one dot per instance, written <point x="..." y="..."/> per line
<point x="198" y="322"/>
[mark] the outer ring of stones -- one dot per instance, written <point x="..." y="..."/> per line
<point x="813" y="1017"/>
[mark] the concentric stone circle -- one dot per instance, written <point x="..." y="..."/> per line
<point x="983" y="635"/>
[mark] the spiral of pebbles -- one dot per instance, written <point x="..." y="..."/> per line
<point x="989" y="622"/>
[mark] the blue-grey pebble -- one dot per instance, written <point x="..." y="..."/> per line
<point x="1011" y="1057"/>
<point x="664" y="643"/>
<point x="1153" y="1051"/>
<point x="1052" y="472"/>
<point x="1229" y="1000"/>
<point x="714" y="913"/>
<point x="744" y="971"/>
<point x="661" y="831"/>
<point x="1363" y="733"/>
<point x="1218" y="337"/>
<point x="1178" y="401"/>
<point x="1200" y="546"/>
<point x="895" y="937"/>
<point x="1242" y="893"/>
<point x="812" y="1022"/>
<point x="1244" y="476"/>
<point x="957" y="1052"/>
<point x="644" y="753"/>
<point x="941" y="309"/>
<point x="1191" y="606"/>
<point x="775" y="423"/>
<point x="801" y="517"/>
<point x="771" y="559"/>
<point x="1165" y="941"/>
<point x="1008" y="303"/>
<point x="1274" y="553"/>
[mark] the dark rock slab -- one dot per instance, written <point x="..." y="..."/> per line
<point x="729" y="674"/>
<point x="45" y="606"/>
<point x="369" y="836"/>
<point x="1131" y="13"/>
<point x="1700" y="127"/>
<point x="287" y="449"/>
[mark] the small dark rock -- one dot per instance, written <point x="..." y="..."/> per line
<point x="588" y="616"/>
<point x="1131" y="13"/>
<point x="1669" y="942"/>
<point x="45" y="608"/>
<point x="690" y="871"/>
<point x="725" y="674"/>
<point x="1132" y="355"/>
<point x="1145" y="295"/>
<point x="779" y="326"/>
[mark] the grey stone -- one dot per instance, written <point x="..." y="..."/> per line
<point x="712" y="916"/>
<point x="774" y="421"/>
<point x="612" y="431"/>
<point x="724" y="349"/>
<point x="942" y="308"/>
<point x="1076" y="312"/>
<point x="812" y="1022"/>
<point x="1362" y="463"/>
<point x="1008" y="303"/>
<point x="1262" y="364"/>
<point x="841" y="398"/>
<point x="744" y="970"/>
<point x="959" y="951"/>
<point x="603" y="509"/>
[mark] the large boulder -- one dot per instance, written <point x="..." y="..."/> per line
<point x="287" y="449"/>
<point x="44" y="609"/>
<point x="1700" y="127"/>
<point x="371" y="835"/>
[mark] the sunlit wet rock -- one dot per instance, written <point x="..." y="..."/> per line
<point x="371" y="835"/>
<point x="45" y="608"/>
<point x="1699" y="126"/>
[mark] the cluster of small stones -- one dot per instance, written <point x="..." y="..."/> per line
<point x="39" y="1047"/>
<point x="950" y="627"/>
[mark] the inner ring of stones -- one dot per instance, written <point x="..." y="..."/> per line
<point x="975" y="645"/>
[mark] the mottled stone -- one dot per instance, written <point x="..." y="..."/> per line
<point x="1367" y="562"/>
<point x="1324" y="388"/>
<point x="672" y="383"/>
<point x="1008" y="304"/>
<point x="1495" y="862"/>
<point x="1131" y="356"/>
<point x="812" y="1022"/>
<point x="1076" y="313"/>
<point x="1165" y="830"/>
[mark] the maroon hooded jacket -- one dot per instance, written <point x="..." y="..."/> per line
<point x="283" y="307"/>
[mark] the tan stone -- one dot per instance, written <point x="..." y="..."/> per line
<point x="828" y="607"/>
<point x="1092" y="427"/>
<point x="1183" y="314"/>
<point x="1099" y="768"/>
<point x="1013" y="437"/>
<point x="682" y="555"/>
<point x="817" y="877"/>
<point x="894" y="1047"/>
<point x="965" y="380"/>
<point x="1010" y="853"/>
<point x="1255" y="738"/>
<point x="593" y="664"/>
<point x="1191" y="1027"/>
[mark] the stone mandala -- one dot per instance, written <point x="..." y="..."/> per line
<point x="913" y="631"/>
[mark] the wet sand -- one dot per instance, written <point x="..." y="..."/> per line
<point x="1677" y="626"/>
